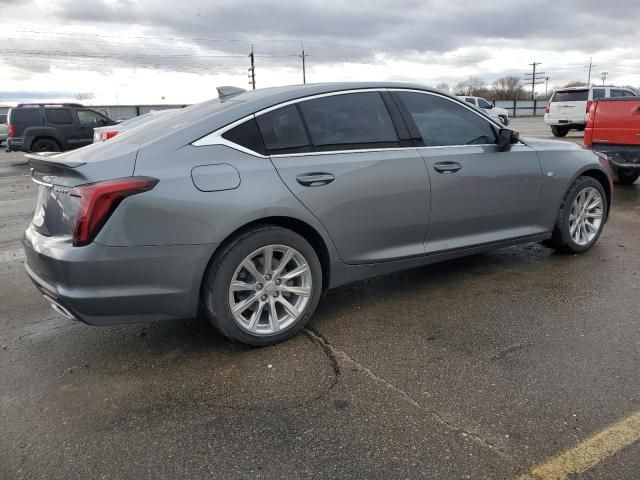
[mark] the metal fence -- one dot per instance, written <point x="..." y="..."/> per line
<point x="522" y="108"/>
<point x="121" y="112"/>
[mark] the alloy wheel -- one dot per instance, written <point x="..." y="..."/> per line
<point x="270" y="289"/>
<point x="585" y="217"/>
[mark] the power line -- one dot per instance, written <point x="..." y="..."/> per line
<point x="536" y="78"/>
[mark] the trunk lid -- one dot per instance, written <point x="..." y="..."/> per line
<point x="57" y="174"/>
<point x="569" y="105"/>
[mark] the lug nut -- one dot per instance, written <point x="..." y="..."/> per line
<point x="275" y="294"/>
<point x="259" y="286"/>
<point x="263" y="298"/>
<point x="278" y="282"/>
<point x="267" y="276"/>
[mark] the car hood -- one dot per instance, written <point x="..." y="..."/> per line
<point x="500" y="111"/>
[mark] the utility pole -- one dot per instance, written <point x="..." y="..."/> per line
<point x="304" y="70"/>
<point x="536" y="78"/>
<point x="252" y="69"/>
<point x="603" y="76"/>
<point x="546" y="88"/>
<point x="590" y="66"/>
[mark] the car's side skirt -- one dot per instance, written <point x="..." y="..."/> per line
<point x="341" y="273"/>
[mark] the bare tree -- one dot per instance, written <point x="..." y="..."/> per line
<point x="575" y="84"/>
<point x="507" y="88"/>
<point x="85" y="96"/>
<point x="443" y="87"/>
<point x="474" y="86"/>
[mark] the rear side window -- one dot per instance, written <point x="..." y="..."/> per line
<point x="58" y="116"/>
<point x="247" y="135"/>
<point x="283" y="131"/>
<point x="25" y="115"/>
<point x="349" y="121"/>
<point x="598" y="93"/>
<point x="470" y="100"/>
<point x="3" y="118"/>
<point x="571" y="96"/>
<point x="442" y="122"/>
<point x="627" y="93"/>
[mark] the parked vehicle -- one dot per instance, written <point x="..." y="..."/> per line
<point x="4" y="128"/>
<point x="41" y="127"/>
<point x="498" y="113"/>
<point x="101" y="134"/>
<point x="246" y="209"/>
<point x="613" y="128"/>
<point x="567" y="108"/>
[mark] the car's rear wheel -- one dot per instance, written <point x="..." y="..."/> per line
<point x="559" y="131"/>
<point x="627" y="176"/>
<point x="45" y="145"/>
<point x="263" y="286"/>
<point x="581" y="217"/>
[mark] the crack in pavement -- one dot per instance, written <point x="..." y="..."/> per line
<point x="324" y="342"/>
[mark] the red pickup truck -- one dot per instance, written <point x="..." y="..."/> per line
<point x="613" y="128"/>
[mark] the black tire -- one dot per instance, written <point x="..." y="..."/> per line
<point x="559" y="131"/>
<point x="217" y="280"/>
<point x="627" y="176"/>
<point x="561" y="239"/>
<point x="45" y="145"/>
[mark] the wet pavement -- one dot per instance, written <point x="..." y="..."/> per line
<point x="482" y="367"/>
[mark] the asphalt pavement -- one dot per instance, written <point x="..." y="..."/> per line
<point x="490" y="366"/>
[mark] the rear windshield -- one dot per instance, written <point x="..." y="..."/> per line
<point x="571" y="96"/>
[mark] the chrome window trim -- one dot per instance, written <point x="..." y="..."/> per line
<point x="215" y="137"/>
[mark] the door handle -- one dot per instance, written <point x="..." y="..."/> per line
<point x="447" y="167"/>
<point x="315" y="179"/>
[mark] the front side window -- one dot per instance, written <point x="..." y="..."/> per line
<point x="598" y="93"/>
<point x="349" y="121"/>
<point x="90" y="118"/>
<point x="470" y="100"/>
<point x="283" y="131"/>
<point x="627" y="93"/>
<point x="442" y="122"/>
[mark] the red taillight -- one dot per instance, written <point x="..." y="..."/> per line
<point x="99" y="200"/>
<point x="589" y="102"/>
<point x="591" y="114"/>
<point x="12" y="130"/>
<point x="107" y="135"/>
<point x="546" y="110"/>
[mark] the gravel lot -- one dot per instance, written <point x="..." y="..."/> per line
<point x="482" y="367"/>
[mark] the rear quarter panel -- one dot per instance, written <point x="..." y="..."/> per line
<point x="175" y="212"/>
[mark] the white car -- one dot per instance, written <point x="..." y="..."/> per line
<point x="105" y="133"/>
<point x="497" y="113"/>
<point x="568" y="107"/>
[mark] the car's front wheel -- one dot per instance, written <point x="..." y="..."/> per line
<point x="263" y="286"/>
<point x="581" y="217"/>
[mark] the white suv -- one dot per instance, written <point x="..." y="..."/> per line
<point x="497" y="113"/>
<point x="568" y="107"/>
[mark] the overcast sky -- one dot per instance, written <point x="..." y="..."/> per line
<point x="156" y="51"/>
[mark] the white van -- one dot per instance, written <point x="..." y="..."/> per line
<point x="568" y="107"/>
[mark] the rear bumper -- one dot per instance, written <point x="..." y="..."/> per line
<point x="621" y="156"/>
<point x="564" y="122"/>
<point x="15" y="144"/>
<point x="102" y="285"/>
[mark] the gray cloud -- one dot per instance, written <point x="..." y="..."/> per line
<point x="189" y="36"/>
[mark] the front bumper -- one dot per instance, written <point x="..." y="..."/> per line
<point x="102" y="285"/>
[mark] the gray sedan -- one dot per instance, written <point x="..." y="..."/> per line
<point x="244" y="209"/>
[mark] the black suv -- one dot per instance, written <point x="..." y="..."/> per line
<point x="41" y="127"/>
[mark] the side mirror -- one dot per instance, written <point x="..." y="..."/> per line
<point x="507" y="137"/>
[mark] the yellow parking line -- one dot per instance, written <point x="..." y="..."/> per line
<point x="589" y="452"/>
